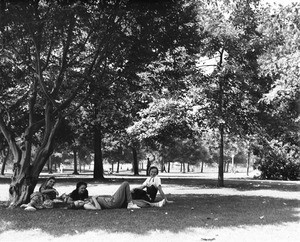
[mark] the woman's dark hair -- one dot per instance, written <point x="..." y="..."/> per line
<point x="79" y="184"/>
<point x="48" y="179"/>
<point x="153" y="167"/>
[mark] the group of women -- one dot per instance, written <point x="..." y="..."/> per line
<point x="140" y="197"/>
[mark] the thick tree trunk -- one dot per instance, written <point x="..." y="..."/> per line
<point x="25" y="178"/>
<point x="21" y="188"/>
<point x="98" y="162"/>
<point x="202" y="166"/>
<point x="135" y="165"/>
<point x="25" y="170"/>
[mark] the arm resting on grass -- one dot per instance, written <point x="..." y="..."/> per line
<point x="163" y="194"/>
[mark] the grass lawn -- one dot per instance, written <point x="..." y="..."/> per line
<point x="245" y="210"/>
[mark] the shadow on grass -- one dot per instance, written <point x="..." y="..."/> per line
<point x="238" y="184"/>
<point x="198" y="183"/>
<point x="189" y="211"/>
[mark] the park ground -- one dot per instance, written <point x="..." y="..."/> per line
<point x="244" y="210"/>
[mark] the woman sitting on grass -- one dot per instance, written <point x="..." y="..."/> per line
<point x="152" y="184"/>
<point x="121" y="199"/>
<point x="44" y="197"/>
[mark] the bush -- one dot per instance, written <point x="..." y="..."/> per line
<point x="278" y="161"/>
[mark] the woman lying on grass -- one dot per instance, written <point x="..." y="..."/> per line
<point x="44" y="197"/>
<point x="121" y="199"/>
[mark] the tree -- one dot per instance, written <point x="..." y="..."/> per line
<point x="49" y="53"/>
<point x="232" y="87"/>
<point x="121" y="94"/>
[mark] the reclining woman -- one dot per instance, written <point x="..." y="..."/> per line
<point x="44" y="197"/>
<point x="121" y="199"/>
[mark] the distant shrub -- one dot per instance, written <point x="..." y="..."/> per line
<point x="278" y="161"/>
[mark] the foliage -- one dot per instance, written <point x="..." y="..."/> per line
<point x="280" y="29"/>
<point x="278" y="160"/>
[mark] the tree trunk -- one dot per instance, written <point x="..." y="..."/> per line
<point x="118" y="167"/>
<point x="183" y="167"/>
<point x="161" y="161"/>
<point x="169" y="166"/>
<point x="21" y="188"/>
<point x="148" y="166"/>
<point x="227" y="168"/>
<point x="98" y="162"/>
<point x="50" y="165"/>
<point x="232" y="164"/>
<point x="25" y="170"/>
<point x="202" y="166"/>
<point x="135" y="164"/>
<point x="248" y="161"/>
<point x="6" y="155"/>
<point x="221" y="159"/>
<point x="75" y="162"/>
<point x="25" y="178"/>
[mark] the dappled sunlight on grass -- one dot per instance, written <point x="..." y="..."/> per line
<point x="5" y="225"/>
<point x="285" y="232"/>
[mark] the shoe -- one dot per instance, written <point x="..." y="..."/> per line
<point x="159" y="204"/>
<point x="29" y="208"/>
<point x="131" y="205"/>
